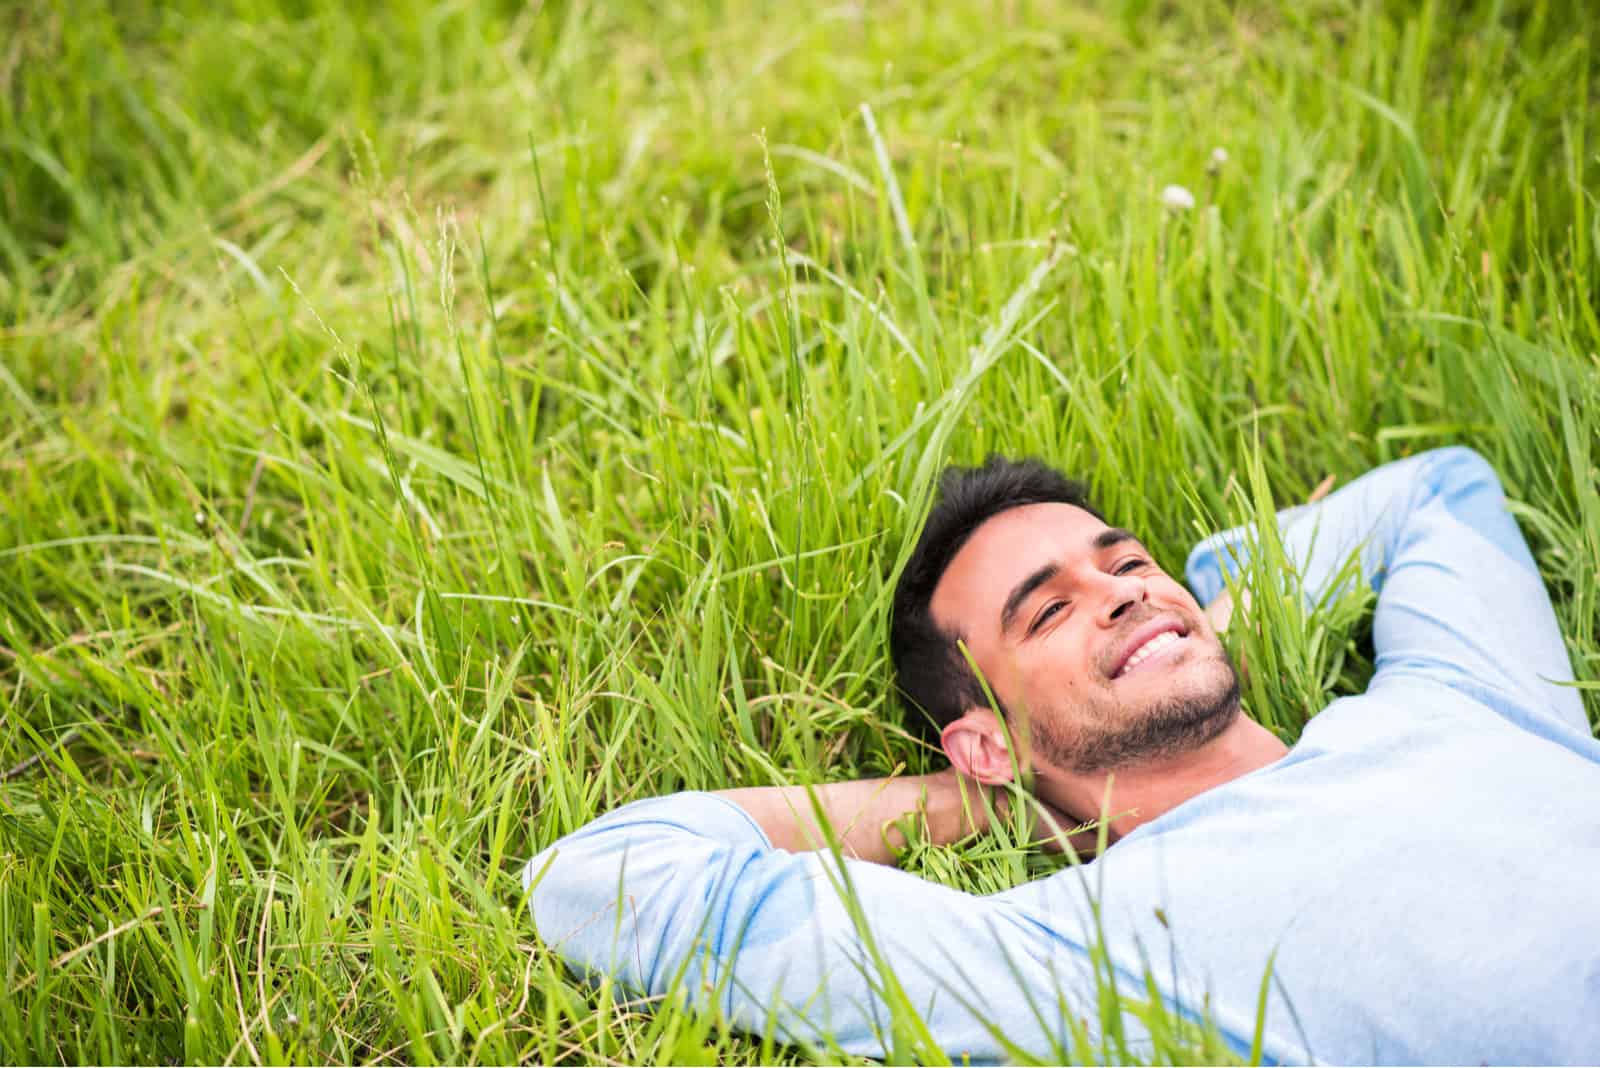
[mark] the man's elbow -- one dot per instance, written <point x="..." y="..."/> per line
<point x="1457" y="468"/>
<point x="571" y="887"/>
<point x="542" y="886"/>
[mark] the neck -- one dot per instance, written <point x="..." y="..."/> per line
<point x="1135" y="795"/>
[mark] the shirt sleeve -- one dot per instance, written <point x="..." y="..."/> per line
<point x="1460" y="600"/>
<point x="684" y="893"/>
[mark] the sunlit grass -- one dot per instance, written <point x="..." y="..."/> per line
<point x="426" y="427"/>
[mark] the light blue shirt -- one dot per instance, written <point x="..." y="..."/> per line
<point x="1421" y="871"/>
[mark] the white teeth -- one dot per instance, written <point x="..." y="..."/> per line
<point x="1165" y="638"/>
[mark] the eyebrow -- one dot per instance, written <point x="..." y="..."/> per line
<point x="1022" y="590"/>
<point x="1020" y="593"/>
<point x="1113" y="536"/>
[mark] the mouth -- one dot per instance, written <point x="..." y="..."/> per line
<point x="1156" y="640"/>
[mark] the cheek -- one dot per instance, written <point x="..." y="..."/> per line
<point x="1061" y="668"/>
<point x="1177" y="596"/>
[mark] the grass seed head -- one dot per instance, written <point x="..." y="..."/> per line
<point x="1176" y="198"/>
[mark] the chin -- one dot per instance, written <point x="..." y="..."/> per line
<point x="1216" y="704"/>
<point x="1204" y="676"/>
<point x="1208" y="696"/>
<point x="1181" y="715"/>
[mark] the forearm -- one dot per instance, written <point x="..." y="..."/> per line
<point x="1318" y="538"/>
<point x="682" y="895"/>
<point x="864" y="815"/>
<point x="1460" y="600"/>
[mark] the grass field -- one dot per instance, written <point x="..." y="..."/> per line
<point x="425" y="426"/>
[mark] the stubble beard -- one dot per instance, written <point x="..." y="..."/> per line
<point x="1115" y="738"/>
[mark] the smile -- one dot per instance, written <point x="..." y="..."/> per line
<point x="1149" y="648"/>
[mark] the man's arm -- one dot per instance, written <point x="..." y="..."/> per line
<point x="685" y="895"/>
<point x="1459" y="598"/>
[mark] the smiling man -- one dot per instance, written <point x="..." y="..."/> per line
<point x="1105" y="662"/>
<point x="1416" y="874"/>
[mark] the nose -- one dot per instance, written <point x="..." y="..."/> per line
<point x="1119" y="594"/>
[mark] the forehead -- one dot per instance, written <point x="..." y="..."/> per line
<point x="1004" y="550"/>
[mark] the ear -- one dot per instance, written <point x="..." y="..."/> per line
<point x="977" y="748"/>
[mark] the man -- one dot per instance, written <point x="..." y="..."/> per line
<point x="1414" y="881"/>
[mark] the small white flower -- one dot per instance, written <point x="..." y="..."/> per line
<point x="199" y="519"/>
<point x="1177" y="198"/>
<point x="1219" y="156"/>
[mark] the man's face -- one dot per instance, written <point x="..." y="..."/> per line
<point x="1075" y="628"/>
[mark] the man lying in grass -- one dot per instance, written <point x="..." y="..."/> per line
<point x="1418" y="872"/>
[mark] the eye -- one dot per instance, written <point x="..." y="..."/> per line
<point x="1129" y="564"/>
<point x="1044" y="617"/>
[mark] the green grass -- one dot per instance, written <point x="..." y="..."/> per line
<point x="426" y="427"/>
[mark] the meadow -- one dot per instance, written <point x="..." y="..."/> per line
<point x="425" y="426"/>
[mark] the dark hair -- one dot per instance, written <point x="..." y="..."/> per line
<point x="931" y="673"/>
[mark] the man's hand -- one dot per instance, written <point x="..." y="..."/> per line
<point x="1052" y="829"/>
<point x="1220" y="611"/>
